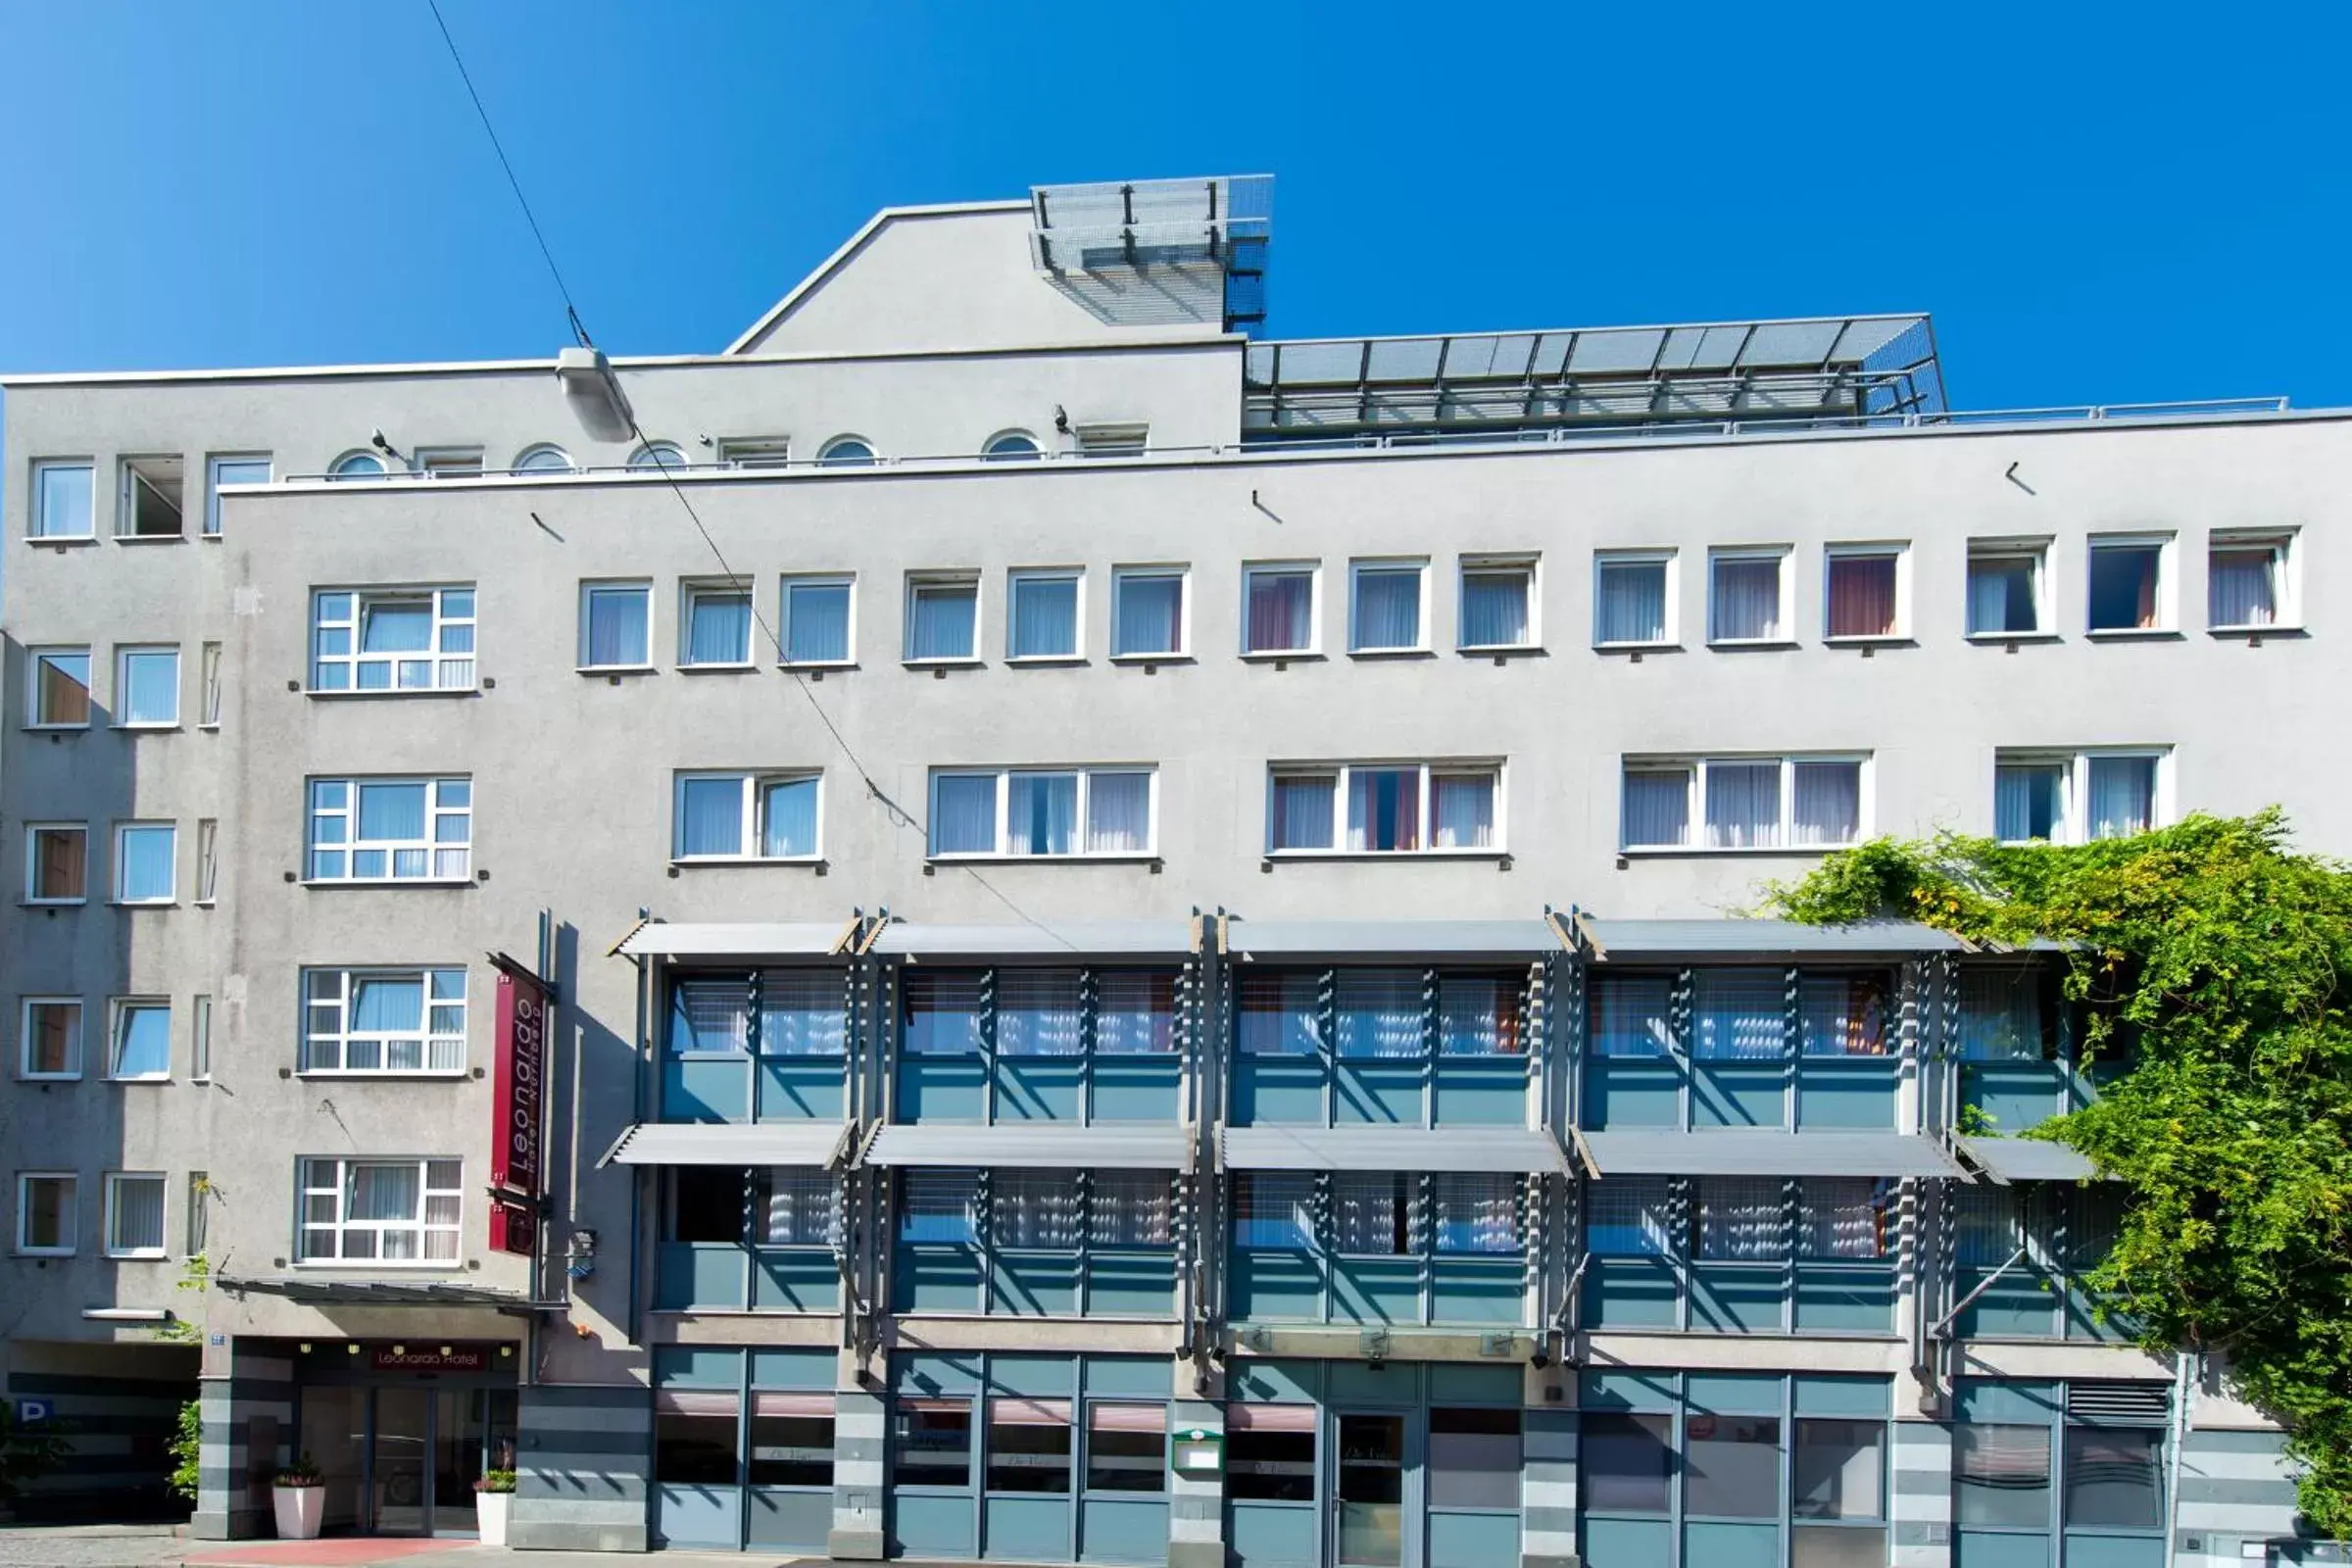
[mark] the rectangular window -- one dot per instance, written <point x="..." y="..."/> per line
<point x="391" y="829"/>
<point x="45" y="1214"/>
<point x="2249" y="582"/>
<point x="1748" y="596"/>
<point x="816" y="621"/>
<point x="220" y="470"/>
<point x="209" y="687"/>
<point x="391" y="1211"/>
<point x="792" y="1440"/>
<point x="1737" y="1016"/>
<point x="2029" y="799"/>
<point x="943" y="617"/>
<point x="1481" y="1015"/>
<point x="1270" y="1452"/>
<point x="1034" y="1211"/>
<point x="60" y="693"/>
<point x="1632" y="1016"/>
<point x="146" y="688"/>
<point x="2002" y="1016"/>
<point x="200" y="1038"/>
<point x="795" y="1207"/>
<point x="943" y="1009"/>
<point x="1731" y="1467"/>
<point x="939" y="1205"/>
<point x="1474" y="1458"/>
<point x="1838" y="1470"/>
<point x="2063" y="798"/>
<point x="1279" y="1014"/>
<point x="2113" y="1478"/>
<point x="1844" y="1217"/>
<point x="802" y="1013"/>
<point x="1371" y="1215"/>
<point x="1627" y="1462"/>
<point x="449" y="462"/>
<point x="150" y="499"/>
<point x="614" y="617"/>
<point x="932" y="1446"/>
<point x="1135" y="1012"/>
<point x="1131" y="1209"/>
<point x="383" y="1021"/>
<point x="1633" y="599"/>
<point x="1498" y="608"/>
<point x="1042" y="620"/>
<point x="710" y="1017"/>
<point x="200" y="1194"/>
<point x="1739" y="1219"/>
<point x="134" y="1215"/>
<point x="1386" y="610"/>
<point x="1377" y="1013"/>
<point x="1148" y="612"/>
<point x="1278" y="609"/>
<point x="704" y="1204"/>
<point x="52" y="1038"/>
<point x="1864" y="591"/>
<point x="1743" y="803"/>
<point x="1844" y="1014"/>
<point x="694" y="1437"/>
<point x="1059" y="814"/>
<point x="208" y="859"/>
<point x="57" y="861"/>
<point x="765" y="452"/>
<point x="714" y="626"/>
<point x="63" y="501"/>
<point x="139" y="1042"/>
<point x="1040" y="1013"/>
<point x="1389" y="809"/>
<point x="1476" y="1212"/>
<point x="1274" y="1211"/>
<point x="740" y="816"/>
<point x="1114" y="440"/>
<point x="392" y="639"/>
<point x="2001" y="1476"/>
<point x="2005" y="593"/>
<point x="1126" y="1448"/>
<point x="146" y="862"/>
<point x="2129" y="590"/>
<point x="1630" y="1217"/>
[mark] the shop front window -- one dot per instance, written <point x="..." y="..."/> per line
<point x="792" y="1440"/>
<point x="694" y="1438"/>
<point x="1029" y="1445"/>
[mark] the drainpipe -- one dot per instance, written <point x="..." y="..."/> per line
<point x="2185" y="1388"/>
<point x="637" y="1178"/>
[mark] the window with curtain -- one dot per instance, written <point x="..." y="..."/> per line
<point x="1630" y="603"/>
<point x="1131" y="1209"/>
<point x="1824" y="804"/>
<point x="816" y="620"/>
<point x="61" y="687"/>
<point x="142" y="1041"/>
<point x="1300" y="814"/>
<point x="1498" y="604"/>
<point x="400" y="1211"/>
<point x="802" y="1013"/>
<point x="1118" y="812"/>
<point x="63" y="501"/>
<point x="2246" y="582"/>
<point x="1655" y="812"/>
<point x="1041" y="814"/>
<point x="1744" y="598"/>
<point x="2127" y="585"/>
<point x="1739" y="1219"/>
<point x="1278" y="612"/>
<point x="1389" y="809"/>
<point x="1477" y="1212"/>
<point x="134" y="1215"/>
<point x="1147" y="612"/>
<point x="718" y="625"/>
<point x="939" y="1205"/>
<point x="1055" y="813"/>
<point x="1461" y="809"/>
<point x="943" y="1011"/>
<point x="1481" y="1015"/>
<point x="1386" y="615"/>
<point x="1632" y="1016"/>
<point x="1135" y="1012"/>
<point x="1845" y="1217"/>
<point x="146" y="862"/>
<point x="963" y="812"/>
<point x="147" y="688"/>
<point x="1844" y="1014"/>
<point x="710" y="1017"/>
<point x="2119" y="796"/>
<point x="1630" y="1217"/>
<point x="795" y="1207"/>
<point x="1371" y="1213"/>
<point x="1034" y="1209"/>
<point x="392" y="639"/>
<point x="1863" y="592"/>
<point x="2001" y="1475"/>
<point x="1743" y="805"/>
<point x="615" y="626"/>
<point x="1279" y="1014"/>
<point x="1737" y="1014"/>
<point x="2113" y="1478"/>
<point x="1042" y="618"/>
<point x="2002" y="1017"/>
<point x="744" y="816"/>
<point x="1274" y="1211"/>
<point x="1988" y="1226"/>
<point x="2028" y="800"/>
<point x="1377" y="1012"/>
<point x="390" y="830"/>
<point x="384" y="1020"/>
<point x="943" y="614"/>
<point x="2004" y="592"/>
<point x="1039" y="1014"/>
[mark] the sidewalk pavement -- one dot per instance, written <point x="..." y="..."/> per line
<point x="163" y="1546"/>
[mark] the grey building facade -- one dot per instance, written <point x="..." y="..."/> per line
<point x="1117" y="941"/>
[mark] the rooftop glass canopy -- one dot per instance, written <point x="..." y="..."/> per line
<point x="1157" y="251"/>
<point x="1840" y="369"/>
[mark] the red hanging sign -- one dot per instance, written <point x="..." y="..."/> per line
<point x="519" y="1107"/>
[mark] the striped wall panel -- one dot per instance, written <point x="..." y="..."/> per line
<point x="1920" y="1505"/>
<point x="583" y="1457"/>
<point x="248" y="1433"/>
<point x="121" y="1431"/>
<point x="860" y="1429"/>
<point x="1196" y="1503"/>
<point x="1548" y="1490"/>
<point x="2235" y="1487"/>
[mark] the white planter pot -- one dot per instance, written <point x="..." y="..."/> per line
<point x="490" y="1507"/>
<point x="299" y="1510"/>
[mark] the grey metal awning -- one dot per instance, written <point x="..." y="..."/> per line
<point x="1650" y="941"/>
<point x="1518" y="940"/>
<point x="1040" y="1146"/>
<point x="2026" y="1159"/>
<point x="1416" y="1149"/>
<point x="1765" y="1151"/>
<point x="356" y="1293"/>
<point x="743" y="940"/>
<point x="1070" y="939"/>
<point x="764" y="1143"/>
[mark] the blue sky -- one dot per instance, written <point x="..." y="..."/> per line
<point x="2100" y="204"/>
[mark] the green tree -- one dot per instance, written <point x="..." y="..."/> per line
<point x="2219" y="956"/>
<point x="187" y="1449"/>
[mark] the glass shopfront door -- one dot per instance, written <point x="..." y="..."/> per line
<point x="396" y="1462"/>
<point x="402" y="1460"/>
<point x="1370" y="1518"/>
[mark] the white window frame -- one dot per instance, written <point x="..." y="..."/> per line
<point x="208" y="685"/>
<point x="1122" y="576"/>
<point x="2036" y="554"/>
<point x="2075" y="796"/>
<point x="754" y="785"/>
<point x="845" y="581"/>
<point x="694" y="589"/>
<point x="111" y="1182"/>
<point x="128" y="476"/>
<point x="72" y="1211"/>
<point x="310" y="1057"/>
<point x="1869" y="550"/>
<point x="435" y="596"/>
<point x="24" y="1035"/>
<point x="2168" y="583"/>
<point x="527" y="460"/>
<point x="200" y="1038"/>
<point x="1082" y="810"/>
<point x="916" y="582"/>
<point x="1786" y="559"/>
<point x="1339" y="773"/>
<point x="643" y="588"/>
<point x="448" y="462"/>
<point x="434" y="812"/>
<point x="34" y="658"/>
<point x="208" y="862"/>
<point x="120" y="863"/>
<point x="123" y="654"/>
<point x="1313" y="571"/>
<point x="2286" y="577"/>
<point x="755" y="452"/>
<point x="1113" y="439"/>
<point x="1390" y="565"/>
<point x="45" y="466"/>
<point x="1671" y="560"/>
<point x="32" y="865"/>
<point x="308" y="1168"/>
<point x="118" y="1011"/>
<point x="1016" y="577"/>
<point x="1694" y="816"/>
<point x="214" y="463"/>
<point x="1529" y="565"/>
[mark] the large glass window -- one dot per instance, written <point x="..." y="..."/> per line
<point x="2113" y="1478"/>
<point x="795" y="1207"/>
<point x="1473" y="1458"/>
<point x="1730" y="1466"/>
<point x="1745" y="803"/>
<point x="1627" y="1462"/>
<point x="1386" y="810"/>
<point x="1126" y="1448"/>
<point x="939" y="1207"/>
<point x="1274" y="1211"/>
<point x="391" y="829"/>
<point x="1739" y="1219"/>
<point x="2002" y="1016"/>
<point x="1130" y="1209"/>
<point x="803" y="1013"/>
<point x="383" y="1021"/>
<point x="1270" y="1452"/>
<point x="1630" y="1217"/>
<point x="392" y="639"/>
<point x="1477" y="1212"/>
<point x="1034" y="1211"/>
<point x="710" y="1017"/>
<point x="400" y="1211"/>
<point x="694" y="1437"/>
<point x="1029" y="1445"/>
<point x="1845" y="1217"/>
<point x="943" y="1009"/>
<point x="1378" y="1012"/>
<point x="2001" y="1475"/>
<point x="792" y="1440"/>
<point x="1739" y="1014"/>
<point x="1840" y="1469"/>
<point x="704" y="1204"/>
<point x="1046" y="813"/>
<point x="1372" y="1214"/>
<point x="1844" y="1014"/>
<point x="1632" y="1016"/>
<point x="932" y="1446"/>
<point x="1280" y="1014"/>
<point x="1040" y="1013"/>
<point x="1135" y="1012"/>
<point x="1481" y="1015"/>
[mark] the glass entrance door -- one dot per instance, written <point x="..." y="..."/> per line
<point x="457" y="1459"/>
<point x="398" y="1455"/>
<point x="1371" y="1491"/>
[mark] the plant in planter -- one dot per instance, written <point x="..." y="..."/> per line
<point x="493" y="1495"/>
<point x="298" y="1497"/>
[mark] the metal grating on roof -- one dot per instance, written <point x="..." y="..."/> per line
<point x="2026" y="1159"/>
<point x="1416" y="1149"/>
<point x="1498" y="939"/>
<point x="1651" y="939"/>
<point x="1043" y="939"/>
<point x="1153" y="252"/>
<point x="1035" y="1146"/>
<point x="1763" y="1151"/>
<point x="804" y="940"/>
<point x="766" y="1142"/>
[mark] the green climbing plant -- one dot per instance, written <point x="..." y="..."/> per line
<point x="188" y="1448"/>
<point x="195" y="1275"/>
<point x="2221" y="955"/>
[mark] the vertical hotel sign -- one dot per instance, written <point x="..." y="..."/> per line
<point x="518" y="1105"/>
